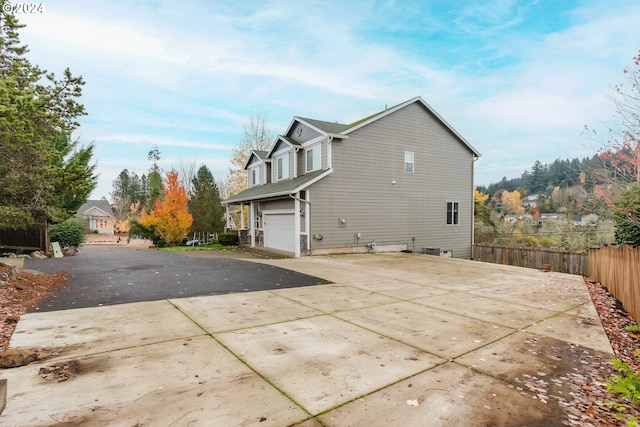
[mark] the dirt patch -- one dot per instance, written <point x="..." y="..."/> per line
<point x="61" y="371"/>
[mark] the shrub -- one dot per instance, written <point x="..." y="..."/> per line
<point x="547" y="242"/>
<point x="626" y="385"/>
<point x="145" y="232"/>
<point x="228" y="239"/>
<point x="68" y="233"/>
<point x="625" y="215"/>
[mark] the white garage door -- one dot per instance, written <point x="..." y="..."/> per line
<point x="278" y="231"/>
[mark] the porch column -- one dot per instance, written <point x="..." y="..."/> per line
<point x="252" y="224"/>
<point x="296" y="225"/>
<point x="228" y="217"/>
<point x="241" y="215"/>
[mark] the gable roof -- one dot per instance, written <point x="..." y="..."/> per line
<point x="287" y="140"/>
<point x="258" y="154"/>
<point x="340" y="130"/>
<point x="100" y="208"/>
<point x="324" y="127"/>
<point x="377" y="116"/>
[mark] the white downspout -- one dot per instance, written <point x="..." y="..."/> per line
<point x="473" y="205"/>
<point x="307" y="221"/>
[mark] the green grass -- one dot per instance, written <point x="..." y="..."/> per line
<point x="213" y="247"/>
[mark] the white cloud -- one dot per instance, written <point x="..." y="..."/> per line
<point x="188" y="76"/>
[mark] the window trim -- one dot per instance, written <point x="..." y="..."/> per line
<point x="313" y="157"/>
<point x="412" y="162"/>
<point x="453" y="213"/>
<point x="282" y="171"/>
<point x="254" y="176"/>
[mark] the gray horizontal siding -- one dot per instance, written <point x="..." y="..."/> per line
<point x="360" y="189"/>
<point x="284" y="204"/>
<point x="307" y="133"/>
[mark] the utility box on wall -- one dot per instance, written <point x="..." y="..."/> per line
<point x="437" y="252"/>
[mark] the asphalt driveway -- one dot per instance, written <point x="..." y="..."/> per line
<point x="107" y="275"/>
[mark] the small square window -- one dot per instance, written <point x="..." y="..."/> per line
<point x="408" y="161"/>
<point x="453" y="213"/>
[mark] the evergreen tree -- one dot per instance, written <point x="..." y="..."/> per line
<point x="204" y="204"/>
<point x="73" y="176"/>
<point x="154" y="180"/>
<point x="40" y="176"/>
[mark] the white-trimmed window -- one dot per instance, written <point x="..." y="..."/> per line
<point x="254" y="175"/>
<point x="313" y="159"/>
<point x="282" y="164"/>
<point x="453" y="213"/>
<point x="408" y="161"/>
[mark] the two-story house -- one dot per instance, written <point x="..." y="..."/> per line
<point x="400" y="179"/>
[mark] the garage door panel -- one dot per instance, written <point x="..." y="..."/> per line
<point x="279" y="231"/>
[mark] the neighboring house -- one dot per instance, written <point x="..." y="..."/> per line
<point x="531" y="201"/>
<point x="512" y="217"/>
<point x="589" y="220"/>
<point x="98" y="215"/>
<point x="551" y="215"/>
<point x="401" y="179"/>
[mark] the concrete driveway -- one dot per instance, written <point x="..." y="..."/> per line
<point x="397" y="339"/>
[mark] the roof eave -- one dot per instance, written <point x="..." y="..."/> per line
<point x="301" y="187"/>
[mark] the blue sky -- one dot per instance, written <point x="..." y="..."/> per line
<point x="518" y="79"/>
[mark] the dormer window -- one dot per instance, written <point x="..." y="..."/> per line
<point x="282" y="164"/>
<point x="313" y="159"/>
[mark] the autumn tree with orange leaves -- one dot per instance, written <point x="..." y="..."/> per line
<point x="170" y="217"/>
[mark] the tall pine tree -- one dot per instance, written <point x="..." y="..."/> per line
<point x="43" y="175"/>
<point x="204" y="203"/>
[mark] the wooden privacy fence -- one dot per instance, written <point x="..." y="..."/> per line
<point x="563" y="262"/>
<point x="32" y="239"/>
<point x="617" y="268"/>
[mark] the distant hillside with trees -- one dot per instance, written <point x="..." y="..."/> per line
<point x="544" y="177"/>
<point x="571" y="187"/>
